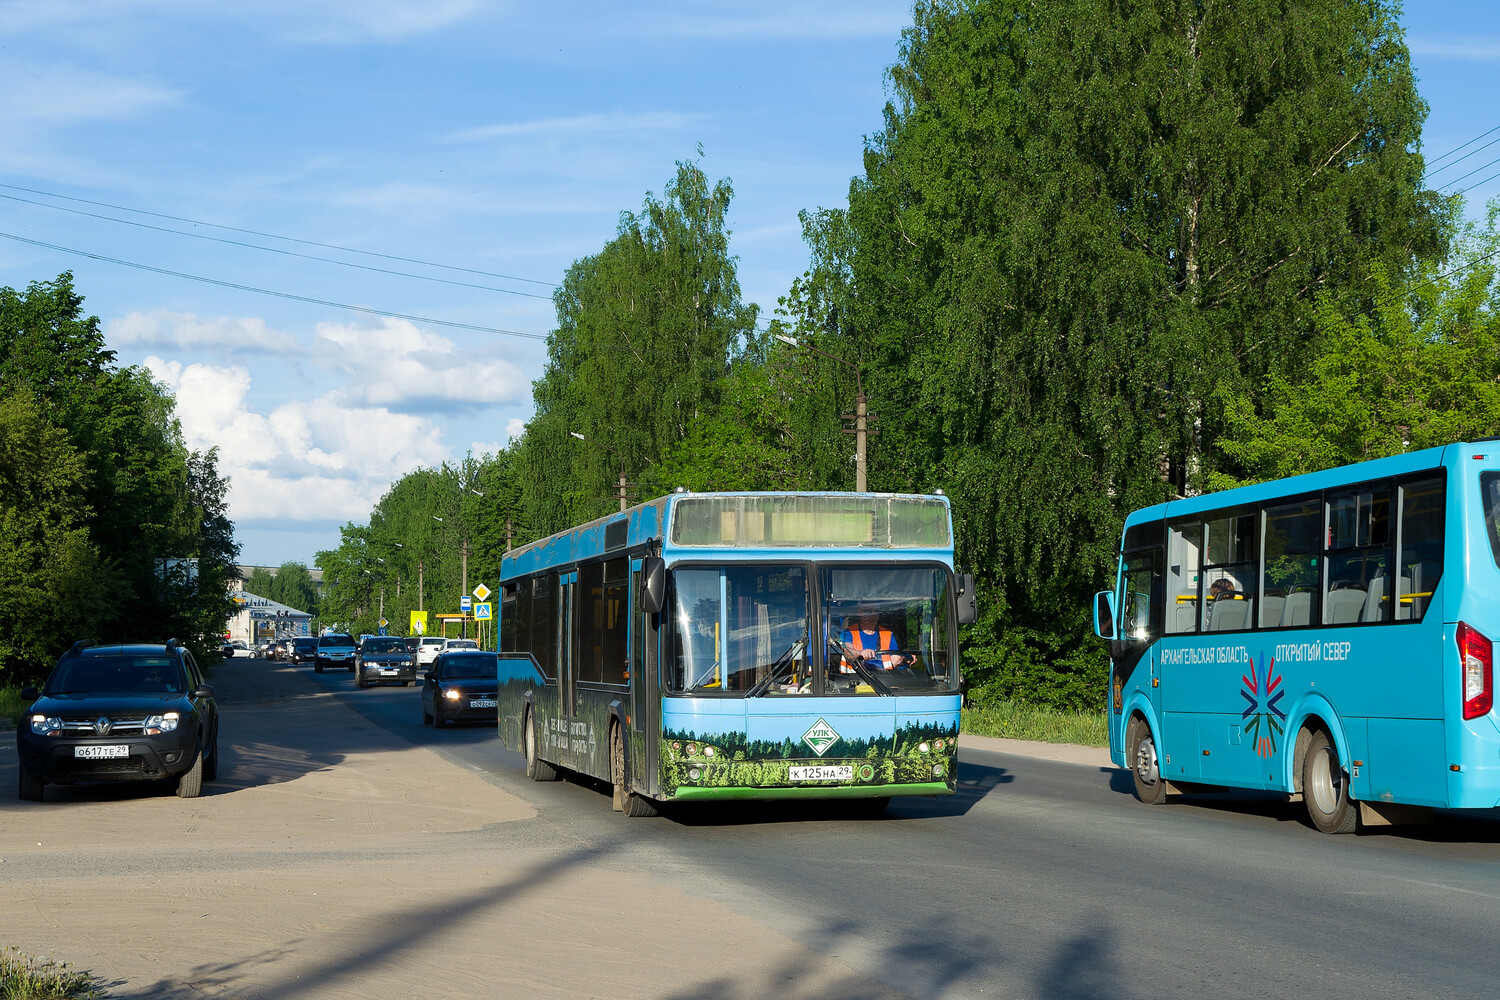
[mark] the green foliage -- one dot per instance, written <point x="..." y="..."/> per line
<point x="25" y="977"/>
<point x="1421" y="369"/>
<point x="100" y="500"/>
<point x="1083" y="227"/>
<point x="1018" y="721"/>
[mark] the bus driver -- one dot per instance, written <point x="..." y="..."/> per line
<point x="876" y="645"/>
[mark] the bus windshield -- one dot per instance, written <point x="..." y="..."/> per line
<point x="747" y="630"/>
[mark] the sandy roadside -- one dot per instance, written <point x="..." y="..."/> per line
<point x="335" y="860"/>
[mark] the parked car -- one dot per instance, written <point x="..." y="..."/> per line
<point x="461" y="687"/>
<point x="382" y="659"/>
<point x="336" y="649"/>
<point x="236" y="648"/>
<point x="130" y="712"/>
<point x="431" y="646"/>
<point x="304" y="648"/>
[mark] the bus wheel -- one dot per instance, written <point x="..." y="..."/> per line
<point x="1145" y="769"/>
<point x="625" y="800"/>
<point x="536" y="768"/>
<point x="1325" y="787"/>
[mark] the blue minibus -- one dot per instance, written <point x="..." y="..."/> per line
<point x="1326" y="636"/>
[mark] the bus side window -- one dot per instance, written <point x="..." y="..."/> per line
<point x="1229" y="571"/>
<point x="1183" y="543"/>
<point x="1359" y="556"/>
<point x="1289" y="564"/>
<point x="1420" y="563"/>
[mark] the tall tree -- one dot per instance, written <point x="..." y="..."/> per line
<point x="1084" y="225"/>
<point x="646" y="331"/>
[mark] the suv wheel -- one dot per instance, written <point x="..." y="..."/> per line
<point x="30" y="789"/>
<point x="190" y="782"/>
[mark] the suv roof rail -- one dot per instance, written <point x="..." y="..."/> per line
<point x="78" y="647"/>
<point x="173" y="642"/>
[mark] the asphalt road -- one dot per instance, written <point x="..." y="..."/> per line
<point x="349" y="851"/>
<point x="1043" y="879"/>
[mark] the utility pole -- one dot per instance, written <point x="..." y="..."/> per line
<point x="622" y="486"/>
<point x="508" y="534"/>
<point x="464" y="556"/>
<point x="420" y="565"/>
<point x="861" y="414"/>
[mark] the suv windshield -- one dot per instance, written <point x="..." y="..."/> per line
<point x="749" y="630"/>
<point x="117" y="674"/>
<point x="335" y="640"/>
<point x="383" y="646"/>
<point x="475" y="666"/>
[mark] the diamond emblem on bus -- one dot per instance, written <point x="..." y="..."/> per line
<point x="820" y="737"/>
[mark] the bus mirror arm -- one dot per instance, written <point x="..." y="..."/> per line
<point x="653" y="584"/>
<point x="968" y="608"/>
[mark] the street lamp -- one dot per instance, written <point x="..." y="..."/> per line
<point x="614" y="453"/>
<point x="861" y="413"/>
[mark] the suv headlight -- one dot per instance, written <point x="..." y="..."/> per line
<point x="453" y="694"/>
<point x="157" y="724"/>
<point x="46" y="725"/>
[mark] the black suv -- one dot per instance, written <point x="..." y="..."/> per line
<point x="334" y="650"/>
<point x="304" y="648"/>
<point x="383" y="658"/>
<point x="120" y="713"/>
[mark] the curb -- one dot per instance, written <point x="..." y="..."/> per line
<point x="1064" y="753"/>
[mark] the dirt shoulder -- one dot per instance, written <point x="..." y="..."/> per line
<point x="336" y="859"/>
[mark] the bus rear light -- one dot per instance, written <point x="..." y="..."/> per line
<point x="1476" y="655"/>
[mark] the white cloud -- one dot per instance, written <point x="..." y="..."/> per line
<point x="1483" y="49"/>
<point x="478" y="448"/>
<point x="162" y="328"/>
<point x="580" y="125"/>
<point x="59" y="94"/>
<point x="303" y="461"/>
<point x="515" y="429"/>
<point x="396" y="364"/>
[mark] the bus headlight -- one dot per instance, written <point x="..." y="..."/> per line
<point x="694" y="774"/>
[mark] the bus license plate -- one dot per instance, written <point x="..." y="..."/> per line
<point x="109" y="750"/>
<point x="824" y="772"/>
<point x="484" y="703"/>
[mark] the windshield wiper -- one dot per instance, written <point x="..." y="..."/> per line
<point x="851" y="656"/>
<point x="778" y="669"/>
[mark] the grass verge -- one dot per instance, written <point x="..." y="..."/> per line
<point x="1014" y="721"/>
<point x="12" y="707"/>
<point x="24" y="977"/>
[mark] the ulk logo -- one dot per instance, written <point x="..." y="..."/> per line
<point x="820" y="737"/>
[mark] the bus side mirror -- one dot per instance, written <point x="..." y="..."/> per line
<point x="653" y="584"/>
<point x="968" y="607"/>
<point x="1104" y="615"/>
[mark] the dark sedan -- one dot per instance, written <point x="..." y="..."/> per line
<point x="304" y="648"/>
<point x="120" y="713"/>
<point x="383" y="659"/>
<point x="461" y="686"/>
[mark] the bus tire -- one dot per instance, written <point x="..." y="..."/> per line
<point x="1145" y="766"/>
<point x="625" y="800"/>
<point x="1325" y="787"/>
<point x="536" y="768"/>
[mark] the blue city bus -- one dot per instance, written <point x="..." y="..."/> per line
<point x="694" y="648"/>
<point x="1324" y="636"/>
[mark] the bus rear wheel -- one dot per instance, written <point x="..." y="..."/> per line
<point x="1145" y="767"/>
<point x="1325" y="787"/>
<point x="536" y="768"/>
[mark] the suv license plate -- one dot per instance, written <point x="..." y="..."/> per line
<point x="823" y="772"/>
<point x="484" y="703"/>
<point x="109" y="750"/>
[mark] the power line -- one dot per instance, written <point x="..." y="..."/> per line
<point x="285" y="253"/>
<point x="1457" y="148"/>
<point x="1479" y="183"/>
<point x="288" y="239"/>
<point x="1460" y="159"/>
<point x="1471" y="173"/>
<point x="280" y="295"/>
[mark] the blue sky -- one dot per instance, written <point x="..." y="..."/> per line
<point x="502" y="138"/>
